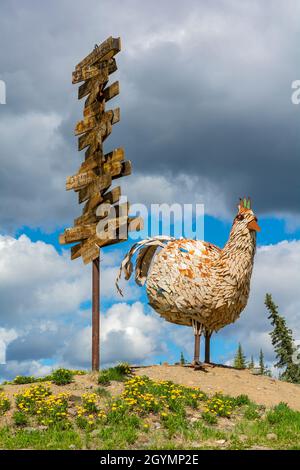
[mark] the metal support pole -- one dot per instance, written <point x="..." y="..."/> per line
<point x="96" y="314"/>
<point x="197" y="349"/>
<point x="197" y="327"/>
<point x="207" y="347"/>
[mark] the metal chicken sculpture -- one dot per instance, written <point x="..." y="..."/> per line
<point x="196" y="283"/>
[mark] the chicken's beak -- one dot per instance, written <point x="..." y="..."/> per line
<point x="253" y="225"/>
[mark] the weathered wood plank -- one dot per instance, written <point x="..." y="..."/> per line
<point x="112" y="168"/>
<point x="80" y="180"/>
<point x="113" y="115"/>
<point x="101" y="52"/>
<point x="89" y="123"/>
<point x="78" y="233"/>
<point x="61" y="239"/>
<point x="94" y="109"/>
<point x="86" y="73"/>
<point x="112" y="211"/>
<point x="116" y="155"/>
<point x="125" y="170"/>
<point x="92" y="162"/>
<point x="76" y="251"/>
<point x="117" y="229"/>
<point x="93" y="202"/>
<point x="85" y="125"/>
<point x="94" y="147"/>
<point x="99" y="184"/>
<point x="93" y="71"/>
<point x="111" y="91"/>
<point x="88" y="86"/>
<point x="95" y="94"/>
<point x="89" y="250"/>
<point x="92" y="138"/>
<point x="106" y="228"/>
<point x="88" y="218"/>
<point x="101" y="131"/>
<point x="112" y="197"/>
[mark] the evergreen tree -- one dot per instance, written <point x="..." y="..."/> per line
<point x="282" y="340"/>
<point x="182" y="359"/>
<point x="251" y="364"/>
<point x="239" y="359"/>
<point x="262" y="367"/>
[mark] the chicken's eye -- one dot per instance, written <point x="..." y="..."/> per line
<point x="240" y="217"/>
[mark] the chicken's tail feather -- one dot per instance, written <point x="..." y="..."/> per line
<point x="147" y="249"/>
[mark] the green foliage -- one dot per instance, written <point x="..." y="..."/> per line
<point x="117" y="373"/>
<point x="241" y="400"/>
<point x="50" y="439"/>
<point x="102" y="392"/>
<point x="82" y="422"/>
<point x="62" y="376"/>
<point x="281" y="413"/>
<point x="261" y="362"/>
<point x="239" y="359"/>
<point x="39" y="402"/>
<point x="251" y="412"/>
<point x="282" y="340"/>
<point x="175" y="423"/>
<point x="220" y="405"/>
<point x="20" y="418"/>
<point x="132" y="418"/>
<point x="24" y="379"/>
<point x="251" y="364"/>
<point x="182" y="359"/>
<point x="4" y="403"/>
<point x="209" y="418"/>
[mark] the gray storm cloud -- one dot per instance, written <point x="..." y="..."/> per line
<point x="205" y="92"/>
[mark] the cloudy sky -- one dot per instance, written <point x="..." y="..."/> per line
<point x="206" y="116"/>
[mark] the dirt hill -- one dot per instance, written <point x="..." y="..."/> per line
<point x="211" y="378"/>
<point x="92" y="411"/>
<point x="262" y="390"/>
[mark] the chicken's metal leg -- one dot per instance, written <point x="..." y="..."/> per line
<point x="207" y="346"/>
<point x="197" y="327"/>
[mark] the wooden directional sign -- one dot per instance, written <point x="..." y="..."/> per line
<point x="98" y="170"/>
<point x="104" y="220"/>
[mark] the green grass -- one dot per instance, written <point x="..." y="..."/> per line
<point x="58" y="376"/>
<point x="156" y="415"/>
<point x="103" y="392"/>
<point x="52" y="438"/>
<point x="118" y="373"/>
<point x="62" y="376"/>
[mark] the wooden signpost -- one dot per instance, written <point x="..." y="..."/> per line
<point x="103" y="218"/>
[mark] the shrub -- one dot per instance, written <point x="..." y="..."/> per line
<point x="38" y="401"/>
<point x="102" y="392"/>
<point x="24" y="379"/>
<point x="251" y="412"/>
<point x="209" y="418"/>
<point x="241" y="400"/>
<point x="117" y="373"/>
<point x="4" y="403"/>
<point x="20" y="418"/>
<point x="280" y="413"/>
<point x="62" y="377"/>
<point x="82" y="422"/>
<point x="219" y="405"/>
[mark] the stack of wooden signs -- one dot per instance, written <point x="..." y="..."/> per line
<point x="104" y="220"/>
